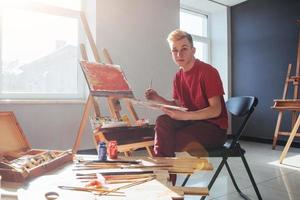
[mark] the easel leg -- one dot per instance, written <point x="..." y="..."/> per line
<point x="149" y="151"/>
<point x="127" y="153"/>
<point x="290" y="140"/>
<point x="277" y="129"/>
<point x="84" y="120"/>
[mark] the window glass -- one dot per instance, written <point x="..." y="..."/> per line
<point x="195" y="24"/>
<point x="201" y="51"/>
<point x="39" y="55"/>
<point x="71" y="4"/>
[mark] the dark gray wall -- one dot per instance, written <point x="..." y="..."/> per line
<point x="264" y="42"/>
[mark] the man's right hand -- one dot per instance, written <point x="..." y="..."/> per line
<point x="151" y="95"/>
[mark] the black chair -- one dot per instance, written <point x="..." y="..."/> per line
<point x="240" y="107"/>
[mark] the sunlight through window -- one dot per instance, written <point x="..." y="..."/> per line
<point x="196" y="24"/>
<point x="39" y="53"/>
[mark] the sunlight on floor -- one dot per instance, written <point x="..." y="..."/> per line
<point x="290" y="162"/>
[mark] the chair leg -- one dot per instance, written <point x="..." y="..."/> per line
<point x="232" y="177"/>
<point x="234" y="182"/>
<point x="213" y="179"/>
<point x="251" y="177"/>
<point x="186" y="180"/>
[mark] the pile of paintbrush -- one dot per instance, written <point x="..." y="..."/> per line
<point x="114" y="178"/>
<point x="109" y="191"/>
<point x="115" y="164"/>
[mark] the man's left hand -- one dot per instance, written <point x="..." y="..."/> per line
<point x="175" y="114"/>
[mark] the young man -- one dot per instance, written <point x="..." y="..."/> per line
<point x="198" y="87"/>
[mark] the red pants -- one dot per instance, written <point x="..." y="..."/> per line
<point x="176" y="135"/>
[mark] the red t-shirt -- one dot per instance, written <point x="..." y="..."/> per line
<point x="193" y="88"/>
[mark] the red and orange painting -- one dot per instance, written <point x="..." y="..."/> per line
<point x="103" y="78"/>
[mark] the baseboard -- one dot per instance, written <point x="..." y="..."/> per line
<point x="281" y="142"/>
<point x="87" y="151"/>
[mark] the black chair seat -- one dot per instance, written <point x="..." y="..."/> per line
<point x="225" y="150"/>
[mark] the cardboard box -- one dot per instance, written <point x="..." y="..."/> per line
<point x="18" y="161"/>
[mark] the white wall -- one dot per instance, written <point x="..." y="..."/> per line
<point x="49" y="125"/>
<point x="219" y="46"/>
<point x="135" y="33"/>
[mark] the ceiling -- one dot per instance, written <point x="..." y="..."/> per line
<point x="228" y="2"/>
<point x="209" y="5"/>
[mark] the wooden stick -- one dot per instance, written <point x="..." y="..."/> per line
<point x="287" y="79"/>
<point x="113" y="166"/>
<point x="106" y="191"/>
<point x="149" y="152"/>
<point x="91" y="168"/>
<point x="83" y="52"/>
<point x="124" y="181"/>
<point x="117" y="181"/>
<point x="83" y="122"/>
<point x="147" y="166"/>
<point x="129" y="185"/>
<point x="120" y="181"/>
<point x="101" y="190"/>
<point x="290" y="140"/>
<point x="117" y="173"/>
<point x="129" y="176"/>
<point x="277" y="128"/>
<point x="131" y="110"/>
<point x="203" y="191"/>
<point x="112" y="161"/>
<point x="87" y="177"/>
<point x="107" y="57"/>
<point x="117" y="165"/>
<point x="90" y="38"/>
<point x="119" y="177"/>
<point x="100" y="165"/>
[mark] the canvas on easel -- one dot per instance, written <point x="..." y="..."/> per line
<point x="106" y="80"/>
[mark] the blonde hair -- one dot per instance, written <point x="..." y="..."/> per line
<point x="178" y="35"/>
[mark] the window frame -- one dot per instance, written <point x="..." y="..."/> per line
<point x="196" y="38"/>
<point x="55" y="11"/>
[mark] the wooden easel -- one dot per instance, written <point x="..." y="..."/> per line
<point x="284" y="105"/>
<point x="292" y="105"/>
<point x="113" y="103"/>
<point x="114" y="109"/>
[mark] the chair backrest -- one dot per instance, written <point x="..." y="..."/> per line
<point x="241" y="107"/>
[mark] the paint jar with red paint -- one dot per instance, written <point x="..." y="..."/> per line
<point x="112" y="150"/>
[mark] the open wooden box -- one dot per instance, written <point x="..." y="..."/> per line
<point x="18" y="162"/>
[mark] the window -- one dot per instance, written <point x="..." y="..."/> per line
<point x="196" y="24"/>
<point x="39" y="53"/>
